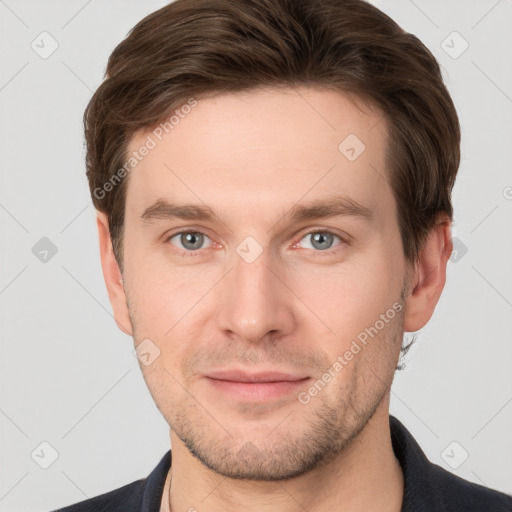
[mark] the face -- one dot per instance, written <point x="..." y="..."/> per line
<point x="276" y="327"/>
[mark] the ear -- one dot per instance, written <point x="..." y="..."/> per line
<point x="112" y="276"/>
<point x="428" y="276"/>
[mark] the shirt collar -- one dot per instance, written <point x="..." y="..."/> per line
<point x="414" y="467"/>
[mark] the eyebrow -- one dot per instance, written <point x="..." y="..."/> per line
<point x="334" y="206"/>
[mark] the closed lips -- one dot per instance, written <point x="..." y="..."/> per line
<point x="261" y="377"/>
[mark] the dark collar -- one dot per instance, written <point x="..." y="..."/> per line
<point x="415" y="468"/>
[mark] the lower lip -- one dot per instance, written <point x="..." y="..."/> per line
<point x="260" y="391"/>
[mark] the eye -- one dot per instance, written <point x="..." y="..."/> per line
<point x="322" y="241"/>
<point x="191" y="241"/>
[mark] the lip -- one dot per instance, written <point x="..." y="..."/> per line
<point x="254" y="377"/>
<point x="255" y="387"/>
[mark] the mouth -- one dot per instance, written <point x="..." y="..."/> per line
<point x="262" y="386"/>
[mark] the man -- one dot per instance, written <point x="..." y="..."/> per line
<point x="273" y="180"/>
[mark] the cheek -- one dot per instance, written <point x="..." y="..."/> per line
<point x="168" y="307"/>
<point x="349" y="301"/>
<point x="160" y="296"/>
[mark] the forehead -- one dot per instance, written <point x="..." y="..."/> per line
<point x="250" y="150"/>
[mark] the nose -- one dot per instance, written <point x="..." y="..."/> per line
<point x="255" y="301"/>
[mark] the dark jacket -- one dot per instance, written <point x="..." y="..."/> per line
<point x="427" y="487"/>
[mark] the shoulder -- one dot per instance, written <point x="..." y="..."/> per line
<point x="459" y="494"/>
<point x="126" y="499"/>
<point x="429" y="487"/>
<point x="142" y="495"/>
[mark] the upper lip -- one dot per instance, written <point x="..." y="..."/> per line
<point x="244" y="376"/>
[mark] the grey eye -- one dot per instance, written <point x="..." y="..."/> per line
<point x="321" y="240"/>
<point x="190" y="240"/>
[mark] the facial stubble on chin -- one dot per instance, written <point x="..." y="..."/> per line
<point x="284" y="454"/>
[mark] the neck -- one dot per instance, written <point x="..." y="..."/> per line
<point x="365" y="476"/>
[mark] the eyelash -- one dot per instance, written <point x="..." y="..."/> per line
<point x="323" y="231"/>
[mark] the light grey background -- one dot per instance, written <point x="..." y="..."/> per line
<point x="68" y="375"/>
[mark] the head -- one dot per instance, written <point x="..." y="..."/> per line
<point x="222" y="140"/>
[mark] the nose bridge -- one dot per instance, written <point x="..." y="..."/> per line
<point x="254" y="300"/>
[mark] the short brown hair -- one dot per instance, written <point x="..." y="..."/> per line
<point x="198" y="48"/>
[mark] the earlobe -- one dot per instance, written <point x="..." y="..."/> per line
<point x="429" y="276"/>
<point x="112" y="275"/>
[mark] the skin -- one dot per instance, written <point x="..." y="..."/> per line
<point x="251" y="157"/>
